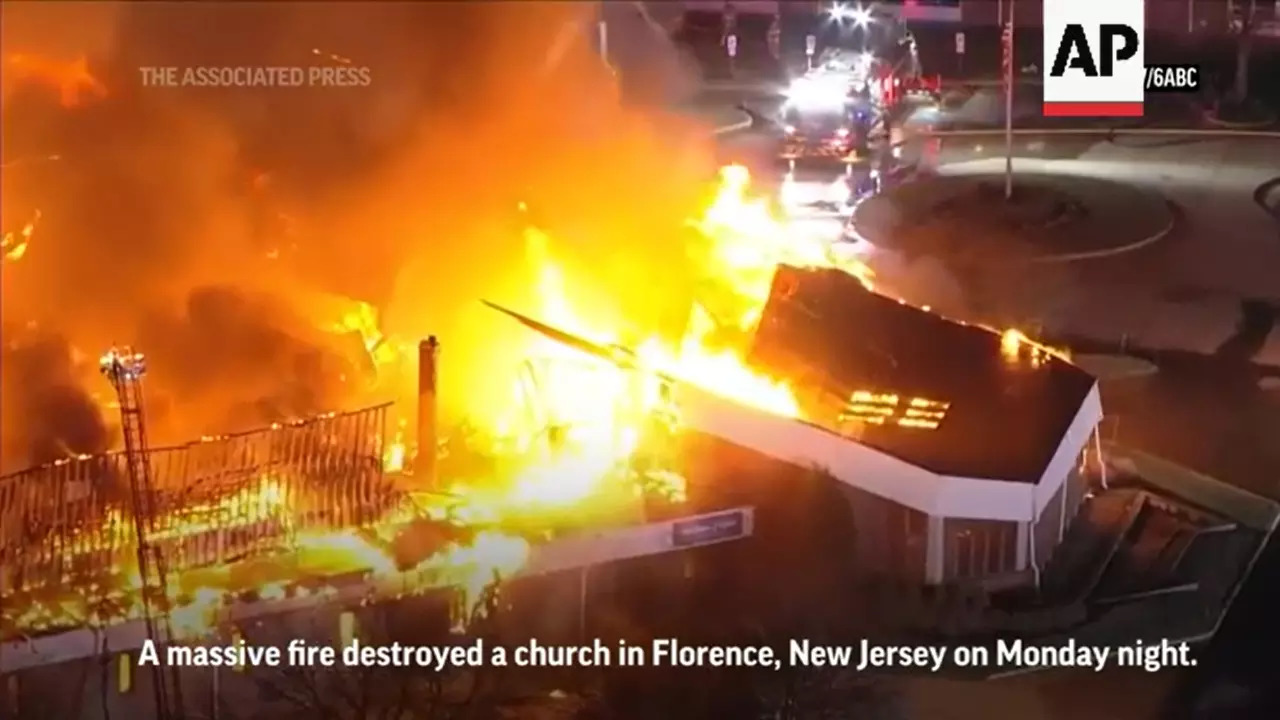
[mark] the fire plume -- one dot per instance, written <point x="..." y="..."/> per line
<point x="567" y="447"/>
<point x="71" y="79"/>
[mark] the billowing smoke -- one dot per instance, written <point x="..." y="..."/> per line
<point x="225" y="231"/>
<point x="637" y="42"/>
<point x="55" y="420"/>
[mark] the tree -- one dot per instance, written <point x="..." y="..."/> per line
<point x="64" y="693"/>
<point x="1244" y="24"/>
<point x="377" y="693"/>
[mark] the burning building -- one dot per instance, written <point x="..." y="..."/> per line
<point x="960" y="449"/>
<point x="954" y="445"/>
<point x="961" y="446"/>
<point x="322" y="510"/>
<point x="958" y="443"/>
<point x="296" y="530"/>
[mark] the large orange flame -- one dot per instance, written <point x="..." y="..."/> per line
<point x="71" y="79"/>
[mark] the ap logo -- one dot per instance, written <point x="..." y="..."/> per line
<point x="1093" y="64"/>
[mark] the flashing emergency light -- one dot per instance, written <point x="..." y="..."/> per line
<point x="857" y="14"/>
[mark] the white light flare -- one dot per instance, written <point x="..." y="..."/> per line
<point x="859" y="15"/>
<point x="816" y="93"/>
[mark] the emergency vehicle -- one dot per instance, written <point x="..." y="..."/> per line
<point x="828" y="114"/>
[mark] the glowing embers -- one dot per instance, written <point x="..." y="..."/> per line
<point x="1017" y="348"/>
<point x="15" y="243"/>
<point x="890" y="409"/>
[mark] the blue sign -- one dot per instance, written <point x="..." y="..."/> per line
<point x="709" y="529"/>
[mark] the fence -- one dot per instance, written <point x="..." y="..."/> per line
<point x="215" y="500"/>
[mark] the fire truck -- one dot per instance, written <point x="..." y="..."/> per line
<point x="891" y="89"/>
<point x="833" y="123"/>
<point x="829" y="111"/>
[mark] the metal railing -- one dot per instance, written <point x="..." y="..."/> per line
<point x="215" y="500"/>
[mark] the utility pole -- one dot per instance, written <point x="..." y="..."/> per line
<point x="602" y="38"/>
<point x="1008" y="104"/>
<point x="124" y="369"/>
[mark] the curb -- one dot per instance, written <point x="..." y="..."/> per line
<point x="1112" y="367"/>
<point x="1152" y="239"/>
<point x="1105" y="132"/>
<point x="1136" y="245"/>
<point x="1212" y="119"/>
<point x="766" y="86"/>
<point x="1262" y="196"/>
<point x="744" y="124"/>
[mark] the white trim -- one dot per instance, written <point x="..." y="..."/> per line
<point x="1067" y="457"/>
<point x="1020" y="549"/>
<point x="935" y="558"/>
<point x="980" y="499"/>
<point x="1032" y="538"/>
<point x="881" y="474"/>
<point x="1062" y="509"/>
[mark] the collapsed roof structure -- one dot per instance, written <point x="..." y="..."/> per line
<point x="959" y="445"/>
<point x="962" y="453"/>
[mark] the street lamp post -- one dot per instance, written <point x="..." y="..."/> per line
<point x="602" y="37"/>
<point x="1008" y="105"/>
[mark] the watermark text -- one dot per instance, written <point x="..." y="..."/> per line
<point x="251" y="76"/>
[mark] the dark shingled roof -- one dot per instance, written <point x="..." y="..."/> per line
<point x="824" y="331"/>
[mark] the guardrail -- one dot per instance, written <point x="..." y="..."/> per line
<point x="1225" y="133"/>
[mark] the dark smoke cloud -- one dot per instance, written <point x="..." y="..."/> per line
<point x="282" y="367"/>
<point x="45" y="414"/>
<point x="213" y="227"/>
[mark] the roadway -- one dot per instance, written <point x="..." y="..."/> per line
<point x="1185" y="292"/>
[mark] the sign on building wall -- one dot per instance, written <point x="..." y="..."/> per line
<point x="709" y="529"/>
